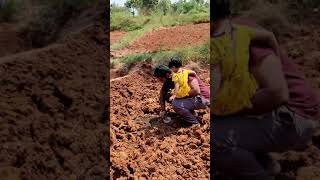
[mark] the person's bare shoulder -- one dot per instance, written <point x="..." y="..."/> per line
<point x="245" y="21"/>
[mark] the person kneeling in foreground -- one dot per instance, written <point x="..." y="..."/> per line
<point x="198" y="98"/>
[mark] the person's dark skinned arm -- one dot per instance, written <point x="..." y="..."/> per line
<point x="266" y="37"/>
<point x="273" y="90"/>
<point x="162" y="99"/>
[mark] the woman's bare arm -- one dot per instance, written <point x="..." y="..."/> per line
<point x="268" y="38"/>
<point x="194" y="87"/>
<point x="192" y="73"/>
<point x="273" y="89"/>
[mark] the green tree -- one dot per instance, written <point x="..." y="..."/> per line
<point x="143" y="6"/>
<point x="148" y="6"/>
<point x="200" y="2"/>
<point x="164" y="6"/>
<point x="133" y="5"/>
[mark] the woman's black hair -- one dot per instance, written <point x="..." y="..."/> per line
<point x="220" y="9"/>
<point x="175" y="61"/>
<point x="161" y="71"/>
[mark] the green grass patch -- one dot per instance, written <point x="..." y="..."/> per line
<point x="195" y="54"/>
<point x="136" y="26"/>
<point x="182" y="19"/>
<point x="122" y="19"/>
<point x="129" y="61"/>
<point x="136" y="58"/>
<point x="114" y="63"/>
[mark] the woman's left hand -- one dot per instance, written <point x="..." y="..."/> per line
<point x="172" y="98"/>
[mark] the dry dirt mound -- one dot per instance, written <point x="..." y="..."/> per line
<point x="116" y="36"/>
<point x="304" y="48"/>
<point x="143" y="147"/>
<point x="10" y="40"/>
<point x="51" y="105"/>
<point x="167" y="39"/>
<point x="300" y="165"/>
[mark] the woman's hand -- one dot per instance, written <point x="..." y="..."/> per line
<point x="194" y="87"/>
<point x="172" y="98"/>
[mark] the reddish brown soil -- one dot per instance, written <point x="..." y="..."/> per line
<point x="139" y="143"/>
<point x="51" y="102"/>
<point x="167" y="39"/>
<point x="116" y="36"/>
<point x="171" y="38"/>
<point x="304" y="48"/>
<point x="114" y="73"/>
<point x="143" y="147"/>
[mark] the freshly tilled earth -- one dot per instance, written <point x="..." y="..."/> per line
<point x="142" y="146"/>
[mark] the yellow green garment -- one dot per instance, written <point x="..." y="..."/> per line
<point x="237" y="84"/>
<point x="182" y="79"/>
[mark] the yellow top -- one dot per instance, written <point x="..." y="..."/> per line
<point x="237" y="83"/>
<point x="182" y="79"/>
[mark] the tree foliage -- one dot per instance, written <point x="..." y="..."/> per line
<point x="143" y="6"/>
<point x="164" y="6"/>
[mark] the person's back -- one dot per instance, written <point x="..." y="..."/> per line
<point x="198" y="96"/>
<point x="180" y="78"/>
<point x="231" y="52"/>
<point x="303" y="99"/>
<point x="230" y="58"/>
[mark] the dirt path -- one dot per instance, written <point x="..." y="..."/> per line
<point x="115" y="36"/>
<point x="167" y="39"/>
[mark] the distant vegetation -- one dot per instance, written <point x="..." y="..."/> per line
<point x="141" y="16"/>
<point x="139" y="13"/>
<point x="279" y="16"/>
<point x="197" y="54"/>
<point x="8" y="10"/>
